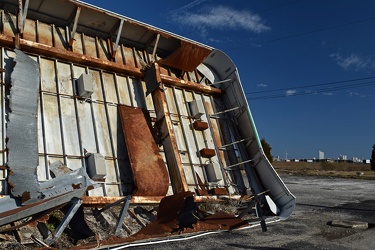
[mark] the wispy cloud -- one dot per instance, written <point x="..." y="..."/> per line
<point x="218" y="17"/>
<point x="290" y="92"/>
<point x="354" y="61"/>
<point x="262" y="85"/>
<point x="352" y="94"/>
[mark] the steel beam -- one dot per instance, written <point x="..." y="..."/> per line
<point x="165" y="126"/>
<point x="115" y="47"/>
<point x="101" y="201"/>
<point x="74" y="57"/>
<point x="74" y="29"/>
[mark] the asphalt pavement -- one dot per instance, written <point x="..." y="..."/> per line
<point x="320" y="201"/>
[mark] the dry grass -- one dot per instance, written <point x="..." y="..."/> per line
<point x="345" y="170"/>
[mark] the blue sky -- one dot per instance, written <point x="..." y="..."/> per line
<point x="307" y="67"/>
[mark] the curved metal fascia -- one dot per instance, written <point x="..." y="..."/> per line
<point x="223" y="68"/>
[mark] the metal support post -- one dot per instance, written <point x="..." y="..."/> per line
<point x="121" y="217"/>
<point x="76" y="203"/>
<point x="174" y="163"/>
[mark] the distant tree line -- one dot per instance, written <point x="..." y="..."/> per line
<point x="267" y="149"/>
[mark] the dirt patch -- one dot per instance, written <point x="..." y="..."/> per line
<point x="332" y="169"/>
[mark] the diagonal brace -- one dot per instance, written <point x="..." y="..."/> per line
<point x="76" y="203"/>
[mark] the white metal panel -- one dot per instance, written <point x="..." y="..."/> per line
<point x="64" y="79"/>
<point x="123" y="90"/>
<point x="109" y="87"/>
<point x="86" y="126"/>
<point x="98" y="93"/>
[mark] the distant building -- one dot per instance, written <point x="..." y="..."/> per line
<point x="343" y="157"/>
<point x="321" y="155"/>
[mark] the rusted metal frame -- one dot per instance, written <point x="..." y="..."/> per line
<point x="74" y="29"/>
<point x="185" y="137"/>
<point x="116" y="46"/>
<point x="110" y="131"/>
<point x="134" y="216"/>
<point x="101" y="201"/>
<point x="195" y="140"/>
<point x="73" y="77"/>
<point x="48" y="51"/>
<point x="155" y="47"/>
<point x="22" y="14"/>
<point x="176" y="171"/>
<point x="216" y="140"/>
<point x="59" y="111"/>
<point x="168" y="80"/>
<point x="231" y="155"/>
<point x="62" y="155"/>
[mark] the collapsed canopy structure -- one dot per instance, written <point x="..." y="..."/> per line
<point x="99" y="109"/>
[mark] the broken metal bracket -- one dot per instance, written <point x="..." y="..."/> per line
<point x="76" y="203"/>
<point x="123" y="211"/>
<point x="116" y="46"/>
<point x="74" y="29"/>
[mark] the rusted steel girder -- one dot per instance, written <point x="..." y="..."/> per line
<point x="74" y="57"/>
<point x="164" y="123"/>
<point x="99" y="201"/>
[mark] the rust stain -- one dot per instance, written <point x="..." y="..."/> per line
<point x="187" y="57"/>
<point x="149" y="171"/>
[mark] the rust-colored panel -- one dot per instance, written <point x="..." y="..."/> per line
<point x="218" y="191"/>
<point x="149" y="171"/>
<point x="207" y="152"/>
<point x="199" y="125"/>
<point x="187" y="57"/>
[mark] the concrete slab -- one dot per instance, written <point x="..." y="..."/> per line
<point x="349" y="224"/>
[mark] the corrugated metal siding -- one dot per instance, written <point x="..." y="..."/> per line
<point x="69" y="127"/>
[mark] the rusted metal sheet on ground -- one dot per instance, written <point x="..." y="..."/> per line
<point x="149" y="171"/>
